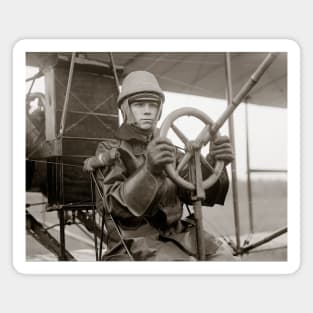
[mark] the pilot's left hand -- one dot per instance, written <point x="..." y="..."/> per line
<point x="221" y="150"/>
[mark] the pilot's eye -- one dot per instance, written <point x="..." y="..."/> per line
<point x="136" y="104"/>
<point x="154" y="104"/>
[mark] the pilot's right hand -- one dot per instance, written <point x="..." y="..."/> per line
<point x="105" y="158"/>
<point x="160" y="152"/>
<point x="88" y="165"/>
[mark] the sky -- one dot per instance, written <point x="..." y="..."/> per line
<point x="267" y="129"/>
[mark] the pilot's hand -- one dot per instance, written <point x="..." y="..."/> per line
<point x="105" y="158"/>
<point x="88" y="165"/>
<point x="160" y="152"/>
<point x="94" y="162"/>
<point x="222" y="150"/>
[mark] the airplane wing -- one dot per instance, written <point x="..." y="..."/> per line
<point x="203" y="74"/>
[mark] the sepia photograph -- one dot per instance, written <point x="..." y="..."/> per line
<point x="148" y="156"/>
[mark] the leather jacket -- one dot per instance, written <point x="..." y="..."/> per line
<point x="136" y="198"/>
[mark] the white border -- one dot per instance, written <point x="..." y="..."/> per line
<point x="156" y="45"/>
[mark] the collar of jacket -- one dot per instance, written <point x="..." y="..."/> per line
<point x="129" y="132"/>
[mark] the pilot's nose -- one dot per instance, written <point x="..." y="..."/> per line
<point x="147" y="108"/>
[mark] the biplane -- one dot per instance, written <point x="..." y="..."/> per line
<point x="77" y="110"/>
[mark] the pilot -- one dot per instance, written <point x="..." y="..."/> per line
<point x="144" y="203"/>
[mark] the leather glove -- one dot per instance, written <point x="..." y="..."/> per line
<point x="221" y="150"/>
<point x="160" y="152"/>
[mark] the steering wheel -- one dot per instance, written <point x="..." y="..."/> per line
<point x="202" y="139"/>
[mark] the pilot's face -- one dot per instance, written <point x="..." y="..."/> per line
<point x="145" y="113"/>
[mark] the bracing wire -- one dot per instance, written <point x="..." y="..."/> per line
<point x="55" y="163"/>
<point x="30" y="88"/>
<point x="115" y="225"/>
<point x="94" y="218"/>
